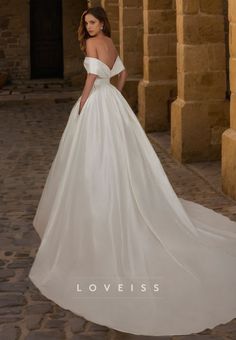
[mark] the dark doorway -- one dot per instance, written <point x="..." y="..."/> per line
<point x="46" y="44"/>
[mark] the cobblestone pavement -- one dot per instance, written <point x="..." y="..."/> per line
<point x="29" y="136"/>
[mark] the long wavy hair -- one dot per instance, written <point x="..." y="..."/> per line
<point x="99" y="13"/>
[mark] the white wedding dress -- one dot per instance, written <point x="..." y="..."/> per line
<point x="118" y="246"/>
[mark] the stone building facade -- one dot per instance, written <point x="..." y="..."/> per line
<point x="38" y="39"/>
<point x="180" y="56"/>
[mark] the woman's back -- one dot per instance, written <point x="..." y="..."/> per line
<point x="106" y="50"/>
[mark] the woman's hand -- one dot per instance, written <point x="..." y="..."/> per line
<point x="87" y="88"/>
<point x="81" y="106"/>
<point x="121" y="80"/>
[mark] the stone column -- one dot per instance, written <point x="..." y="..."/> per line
<point x="199" y="115"/>
<point x="229" y="136"/>
<point x="112" y="9"/>
<point x="131" y="46"/>
<point x="159" y="78"/>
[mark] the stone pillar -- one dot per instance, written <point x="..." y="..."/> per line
<point x="199" y="115"/>
<point x="112" y="9"/>
<point x="131" y="46"/>
<point x="229" y="136"/>
<point x="226" y="26"/>
<point x="159" y="78"/>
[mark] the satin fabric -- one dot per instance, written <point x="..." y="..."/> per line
<point x="108" y="214"/>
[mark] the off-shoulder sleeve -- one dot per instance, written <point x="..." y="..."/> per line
<point x="91" y="65"/>
<point x="118" y="67"/>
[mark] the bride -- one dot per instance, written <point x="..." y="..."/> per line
<point x="118" y="246"/>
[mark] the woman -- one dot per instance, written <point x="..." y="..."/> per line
<point x="118" y="246"/>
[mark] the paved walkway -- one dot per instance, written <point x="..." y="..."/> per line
<point x="51" y="90"/>
<point x="29" y="137"/>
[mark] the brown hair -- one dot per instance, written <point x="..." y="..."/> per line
<point x="99" y="13"/>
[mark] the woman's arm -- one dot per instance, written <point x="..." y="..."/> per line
<point x="87" y="88"/>
<point x="121" y="79"/>
<point x="90" y="52"/>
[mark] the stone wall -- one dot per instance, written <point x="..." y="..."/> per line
<point x="226" y="29"/>
<point x="73" y="56"/>
<point x="112" y="9"/>
<point x="131" y="46"/>
<point x="200" y="114"/>
<point x="159" y="60"/>
<point x="229" y="136"/>
<point x="14" y="39"/>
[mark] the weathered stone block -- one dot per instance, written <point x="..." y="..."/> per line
<point x="190" y="133"/>
<point x="159" y="68"/>
<point x="233" y="111"/>
<point x="115" y="37"/>
<point x="156" y="21"/>
<point x="192" y="58"/>
<point x="232" y="69"/>
<point x="131" y="3"/>
<point x="132" y="39"/>
<point x="176" y="130"/>
<point x="153" y="108"/>
<point x="132" y="17"/>
<point x="211" y="28"/>
<point x="200" y="29"/>
<point x="211" y="6"/>
<point x="232" y="39"/>
<point x="232" y="10"/>
<point x="160" y="4"/>
<point x="228" y="166"/>
<point x="160" y="44"/>
<point x="202" y="86"/>
<point x="188" y="29"/>
<point x="134" y="63"/>
<point x="218" y="113"/>
<point x="187" y="6"/>
<point x="114" y="25"/>
<point x="216" y="57"/>
<point x="130" y="93"/>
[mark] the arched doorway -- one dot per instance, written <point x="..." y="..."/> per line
<point x="46" y="43"/>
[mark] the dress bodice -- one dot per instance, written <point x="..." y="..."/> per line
<point x="98" y="67"/>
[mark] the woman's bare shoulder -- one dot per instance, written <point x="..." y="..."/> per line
<point x="90" y="41"/>
<point x="91" y="48"/>
<point x="104" y="39"/>
<point x="103" y="43"/>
